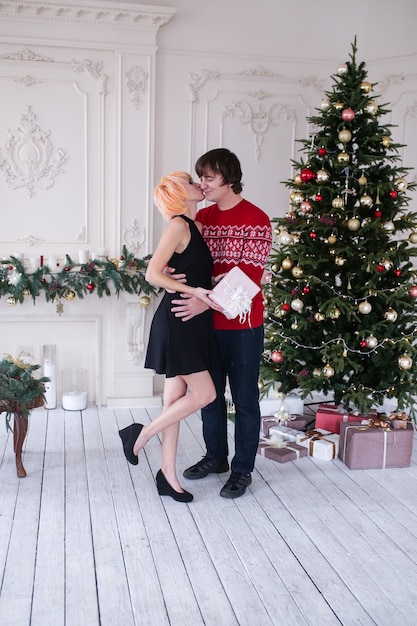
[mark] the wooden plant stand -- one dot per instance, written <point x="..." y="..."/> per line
<point x="20" y="428"/>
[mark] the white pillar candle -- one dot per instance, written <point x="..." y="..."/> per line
<point x="74" y="400"/>
<point x="83" y="257"/>
<point x="52" y="263"/>
<point x="49" y="370"/>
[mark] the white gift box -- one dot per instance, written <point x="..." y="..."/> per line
<point x="234" y="293"/>
<point x="293" y="404"/>
<point x="322" y="444"/>
<point x="290" y="434"/>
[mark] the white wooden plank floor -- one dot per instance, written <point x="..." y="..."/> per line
<point x="85" y="539"/>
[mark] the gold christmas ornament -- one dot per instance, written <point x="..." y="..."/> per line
<point x="328" y="371"/>
<point x="26" y="293"/>
<point x="322" y="176"/>
<point x="337" y="203"/>
<point x="261" y="385"/>
<point x="297" y="179"/>
<point x="331" y="239"/>
<point x="339" y="260"/>
<point x="366" y="201"/>
<point x="365" y="307"/>
<point x="296" y="197"/>
<point x="319" y="316"/>
<point x="144" y="301"/>
<point x="287" y="263"/>
<point x="371" y="107"/>
<point x="354" y="224"/>
<point x="401" y="184"/>
<point x="405" y="362"/>
<point x="387" y="263"/>
<point x="343" y="157"/>
<point x="316" y="372"/>
<point x="345" y="135"/>
<point x="366" y="87"/>
<point x="386" y="141"/>
<point x="334" y="314"/>
<point x="297" y="272"/>
<point x="11" y="301"/>
<point x="391" y="315"/>
<point x="338" y="106"/>
<point x="69" y="295"/>
<point x="115" y="262"/>
<point x="362" y="180"/>
<point x="412" y="238"/>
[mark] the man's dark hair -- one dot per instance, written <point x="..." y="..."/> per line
<point x="221" y="161"/>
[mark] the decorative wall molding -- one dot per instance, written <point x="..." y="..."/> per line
<point x="122" y="16"/>
<point x="198" y="81"/>
<point x="25" y="55"/>
<point x="134" y="237"/>
<point x="136" y="84"/>
<point x="30" y="160"/>
<point x="135" y="325"/>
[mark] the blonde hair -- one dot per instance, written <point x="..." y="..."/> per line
<point x="170" y="194"/>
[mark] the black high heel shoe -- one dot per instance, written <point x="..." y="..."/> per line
<point x="128" y="436"/>
<point x="165" y="489"/>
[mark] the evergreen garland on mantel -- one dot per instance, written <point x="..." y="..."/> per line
<point x="102" y="277"/>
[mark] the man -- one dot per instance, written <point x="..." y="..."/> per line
<point x="237" y="233"/>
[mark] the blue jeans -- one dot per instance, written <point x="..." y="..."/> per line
<point x="237" y="356"/>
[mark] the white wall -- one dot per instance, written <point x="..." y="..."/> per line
<point x="236" y="73"/>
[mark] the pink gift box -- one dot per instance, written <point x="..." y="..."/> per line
<point x="234" y="293"/>
<point x="366" y="447"/>
<point x="286" y="450"/>
<point x="330" y="416"/>
<point x="298" y="422"/>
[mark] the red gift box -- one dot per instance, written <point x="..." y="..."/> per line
<point x="329" y="417"/>
<point x="370" y="447"/>
<point x="280" y="450"/>
<point x="298" y="422"/>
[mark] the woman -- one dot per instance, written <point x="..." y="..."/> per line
<point x="179" y="350"/>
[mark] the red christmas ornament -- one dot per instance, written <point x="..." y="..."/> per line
<point x="90" y="287"/>
<point x="380" y="268"/>
<point x="322" y="152"/>
<point x="277" y="356"/>
<point x="393" y="194"/>
<point x="363" y="343"/>
<point x="318" y="197"/>
<point x="122" y="258"/>
<point x="306" y="289"/>
<point x="413" y="291"/>
<point x="397" y="271"/>
<point x="43" y="280"/>
<point x="286" y="307"/>
<point x="377" y="213"/>
<point x="307" y="175"/>
<point x="10" y="267"/>
<point x="67" y="268"/>
<point x="313" y="234"/>
<point x="348" y="115"/>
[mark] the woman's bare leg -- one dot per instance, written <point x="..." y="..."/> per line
<point x="174" y="389"/>
<point x="201" y="391"/>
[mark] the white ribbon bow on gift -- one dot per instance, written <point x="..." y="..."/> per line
<point x="240" y="303"/>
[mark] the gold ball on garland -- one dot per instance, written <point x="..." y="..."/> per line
<point x="405" y="362"/>
<point x="362" y="180"/>
<point x="354" y="224"/>
<point x="275" y="267"/>
<point x="365" y="307"/>
<point x="319" y="317"/>
<point x="366" y="201"/>
<point x="391" y="315"/>
<point x="297" y="272"/>
<point x="26" y="293"/>
<point x="386" y="141"/>
<point x="331" y="239"/>
<point x="343" y="157"/>
<point x="261" y="385"/>
<point x="115" y="262"/>
<point x="412" y="238"/>
<point x="345" y="135"/>
<point x="366" y="87"/>
<point x="11" y="301"/>
<point x="144" y="301"/>
<point x="328" y="371"/>
<point x="70" y="295"/>
<point x="297" y="179"/>
<point x="296" y="197"/>
<point x="317" y="372"/>
<point x="287" y="263"/>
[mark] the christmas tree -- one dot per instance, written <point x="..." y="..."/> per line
<point x="341" y="288"/>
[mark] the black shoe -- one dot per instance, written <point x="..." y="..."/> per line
<point x="205" y="467"/>
<point x="128" y="436"/>
<point x="165" y="489"/>
<point x="236" y="485"/>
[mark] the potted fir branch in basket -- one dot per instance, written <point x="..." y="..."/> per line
<point x="19" y="390"/>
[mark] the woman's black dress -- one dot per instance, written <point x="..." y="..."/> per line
<point x="176" y="347"/>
